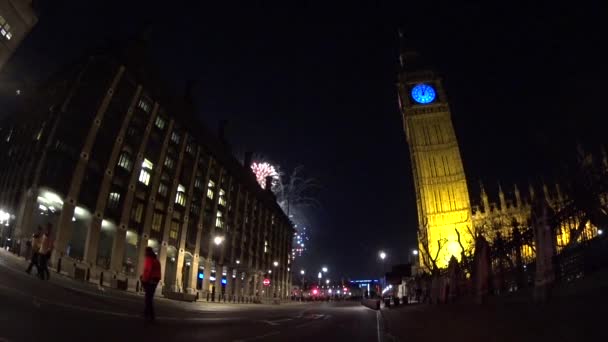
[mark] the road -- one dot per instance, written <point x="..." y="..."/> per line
<point x="60" y="309"/>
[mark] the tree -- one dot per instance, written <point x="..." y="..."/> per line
<point x="429" y="261"/>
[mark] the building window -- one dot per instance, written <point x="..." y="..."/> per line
<point x="157" y="221"/>
<point x="219" y="221"/>
<point x="195" y="209"/>
<point x="169" y="162"/>
<point x="113" y="200"/>
<point x="137" y="212"/>
<point x="190" y="148"/>
<point x="174" y="230"/>
<point x="163" y="189"/>
<point x="265" y="246"/>
<point x="222" y="199"/>
<point x="144" y="175"/>
<point x="160" y="122"/>
<point x="125" y="161"/>
<point x="144" y="104"/>
<point x="5" y="29"/>
<point x="180" y="197"/>
<point x="175" y="137"/>
<point x="198" y="182"/>
<point x="210" y="189"/>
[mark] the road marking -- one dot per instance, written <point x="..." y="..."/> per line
<point x="259" y="337"/>
<point x="277" y="321"/>
<point x="378" y="325"/>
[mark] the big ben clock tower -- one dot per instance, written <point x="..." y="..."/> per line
<point x="442" y="197"/>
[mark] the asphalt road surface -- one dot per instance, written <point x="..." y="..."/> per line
<point x="63" y="310"/>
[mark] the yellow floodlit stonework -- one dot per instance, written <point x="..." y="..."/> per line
<point x="442" y="196"/>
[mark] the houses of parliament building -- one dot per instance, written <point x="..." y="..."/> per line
<point x="447" y="216"/>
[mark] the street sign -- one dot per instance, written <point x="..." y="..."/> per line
<point x="266" y="282"/>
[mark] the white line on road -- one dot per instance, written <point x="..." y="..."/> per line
<point x="378" y="325"/>
<point x="272" y="333"/>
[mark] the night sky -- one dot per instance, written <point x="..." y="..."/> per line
<point x="314" y="85"/>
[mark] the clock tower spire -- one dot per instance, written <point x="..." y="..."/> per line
<point x="442" y="196"/>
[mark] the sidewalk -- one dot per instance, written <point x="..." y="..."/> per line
<point x="19" y="264"/>
<point x="576" y="311"/>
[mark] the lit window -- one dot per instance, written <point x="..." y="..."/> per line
<point x="5" y="29"/>
<point x="160" y="122"/>
<point x="265" y="246"/>
<point x="163" y="189"/>
<point x="147" y="164"/>
<point x="219" y="222"/>
<point x="137" y="212"/>
<point x="144" y="104"/>
<point x="175" y="137"/>
<point x="144" y="175"/>
<point x="210" y="189"/>
<point x="169" y="162"/>
<point x="174" y="230"/>
<point x="180" y="197"/>
<point x="222" y="199"/>
<point x="113" y="200"/>
<point x="125" y="161"/>
<point x="157" y="221"/>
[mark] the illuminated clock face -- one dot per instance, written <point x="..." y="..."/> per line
<point x="423" y="93"/>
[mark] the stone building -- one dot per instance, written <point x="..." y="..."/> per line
<point x="17" y="18"/>
<point x="115" y="165"/>
<point x="510" y="209"/>
<point x="442" y="196"/>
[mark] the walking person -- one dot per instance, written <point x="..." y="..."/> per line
<point x="35" y="243"/>
<point x="149" y="281"/>
<point x="46" y="248"/>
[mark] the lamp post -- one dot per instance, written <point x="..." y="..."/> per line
<point x="302" y="272"/>
<point x="382" y="255"/>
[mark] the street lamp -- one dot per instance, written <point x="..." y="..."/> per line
<point x="302" y="272"/>
<point x="218" y="240"/>
<point x="382" y="255"/>
<point x="324" y="269"/>
<point x="327" y="281"/>
<point x="415" y="252"/>
<point x="276" y="263"/>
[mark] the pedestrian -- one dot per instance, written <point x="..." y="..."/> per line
<point x="35" y="243"/>
<point x="149" y="281"/>
<point x="46" y="248"/>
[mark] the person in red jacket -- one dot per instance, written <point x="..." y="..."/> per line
<point x="149" y="281"/>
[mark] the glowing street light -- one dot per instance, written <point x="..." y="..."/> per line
<point x="238" y="262"/>
<point x="276" y="263"/>
<point x="302" y="272"/>
<point x="327" y="281"/>
<point x="382" y="255"/>
<point x="415" y="252"/>
<point x="324" y="269"/>
<point x="218" y="240"/>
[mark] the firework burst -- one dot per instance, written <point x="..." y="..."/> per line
<point x="263" y="170"/>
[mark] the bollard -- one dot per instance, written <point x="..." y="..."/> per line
<point x="59" y="265"/>
<point x="101" y="279"/>
<point x="88" y="276"/>
<point x="137" y="286"/>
